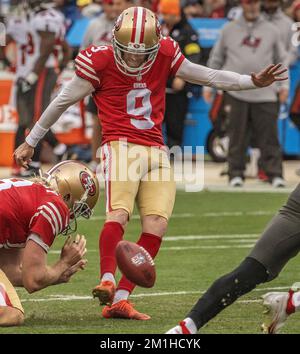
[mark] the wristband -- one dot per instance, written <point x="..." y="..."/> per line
<point x="37" y="133"/>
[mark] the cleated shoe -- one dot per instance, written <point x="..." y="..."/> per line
<point x="105" y="292"/>
<point x="276" y="310"/>
<point x="124" y="309"/>
<point x="180" y="329"/>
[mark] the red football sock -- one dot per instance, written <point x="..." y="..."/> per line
<point x="110" y="236"/>
<point x="290" y="307"/>
<point x="151" y="243"/>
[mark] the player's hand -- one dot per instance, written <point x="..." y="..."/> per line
<point x="67" y="274"/>
<point x="23" y="154"/>
<point x="269" y="75"/>
<point x="73" y="250"/>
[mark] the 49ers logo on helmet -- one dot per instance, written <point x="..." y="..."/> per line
<point x="88" y="183"/>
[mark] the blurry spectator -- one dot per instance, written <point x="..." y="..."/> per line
<point x="247" y="45"/>
<point x="121" y="5"/>
<point x="148" y="4"/>
<point x="42" y="53"/>
<point x="89" y="8"/>
<point x="273" y="13"/>
<point x="296" y="13"/>
<point x="215" y="8"/>
<point x="193" y="8"/>
<point x="99" y="32"/>
<point x="70" y="11"/>
<point x="176" y="26"/>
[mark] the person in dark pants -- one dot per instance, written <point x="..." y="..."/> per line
<point x="279" y="243"/>
<point x="245" y="45"/>
<point x="261" y="119"/>
<point x="177" y="27"/>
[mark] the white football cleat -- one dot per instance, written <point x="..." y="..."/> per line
<point x="180" y="329"/>
<point x="276" y="305"/>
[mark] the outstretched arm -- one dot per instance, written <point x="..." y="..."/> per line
<point x="228" y="80"/>
<point x="76" y="90"/>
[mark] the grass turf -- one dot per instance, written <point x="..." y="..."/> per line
<point x="185" y="268"/>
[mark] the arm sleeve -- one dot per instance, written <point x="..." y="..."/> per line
<point x="76" y="90"/>
<point x="220" y="79"/>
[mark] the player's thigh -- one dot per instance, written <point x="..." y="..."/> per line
<point x="157" y="197"/>
<point x="13" y="297"/>
<point x="10" y="263"/>
<point x="120" y="189"/>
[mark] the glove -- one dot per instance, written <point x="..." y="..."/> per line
<point x="26" y="84"/>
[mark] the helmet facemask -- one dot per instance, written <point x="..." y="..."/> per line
<point x="119" y="51"/>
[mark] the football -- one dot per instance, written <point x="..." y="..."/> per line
<point x="136" y="264"/>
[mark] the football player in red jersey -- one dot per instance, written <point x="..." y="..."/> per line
<point x="32" y="214"/>
<point x="128" y="81"/>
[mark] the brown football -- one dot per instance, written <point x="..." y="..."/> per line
<point x="136" y="264"/>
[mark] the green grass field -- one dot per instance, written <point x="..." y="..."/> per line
<point x="220" y="229"/>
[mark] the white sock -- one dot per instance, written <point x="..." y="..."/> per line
<point x="190" y="325"/>
<point x="121" y="295"/>
<point x="296" y="300"/>
<point x="108" y="277"/>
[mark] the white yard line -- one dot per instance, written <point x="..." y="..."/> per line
<point x="204" y="215"/>
<point x="61" y="297"/>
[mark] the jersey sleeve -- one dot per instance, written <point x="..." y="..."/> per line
<point x="173" y="50"/>
<point x="90" y="62"/>
<point x="51" y="218"/>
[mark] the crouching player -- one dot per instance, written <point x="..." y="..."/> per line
<point x="32" y="214"/>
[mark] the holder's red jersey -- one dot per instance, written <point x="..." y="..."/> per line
<point x="30" y="211"/>
<point x="130" y="107"/>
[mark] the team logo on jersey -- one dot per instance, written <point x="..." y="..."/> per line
<point x="88" y="183"/>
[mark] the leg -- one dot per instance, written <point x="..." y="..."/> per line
<point x="278" y="244"/>
<point x="264" y="118"/>
<point x="155" y="199"/>
<point x="11" y="310"/>
<point x="238" y="114"/>
<point x="120" y="197"/>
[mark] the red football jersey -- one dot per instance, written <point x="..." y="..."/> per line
<point x="130" y="107"/>
<point x="30" y="208"/>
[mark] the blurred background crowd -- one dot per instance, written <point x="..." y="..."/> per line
<point x="237" y="35"/>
